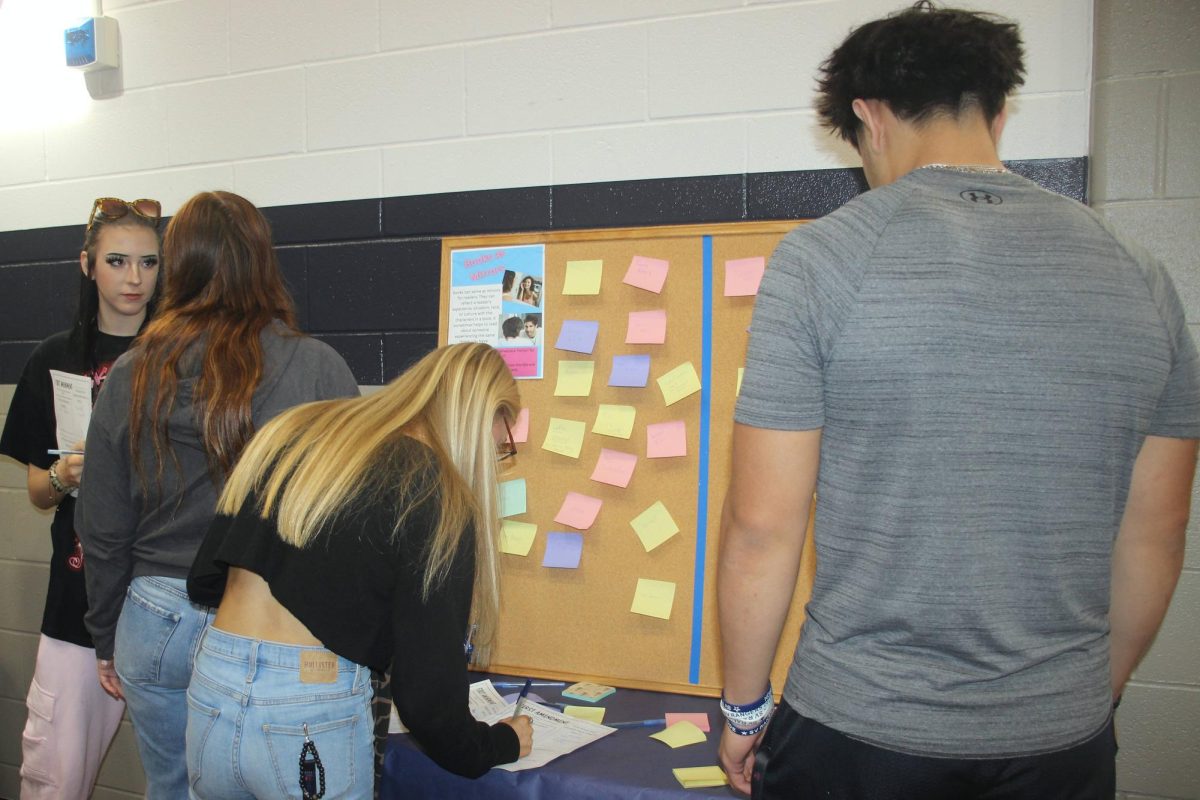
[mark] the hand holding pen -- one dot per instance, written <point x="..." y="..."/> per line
<point x="522" y="724"/>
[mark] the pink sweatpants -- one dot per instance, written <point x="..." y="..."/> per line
<point x="70" y="724"/>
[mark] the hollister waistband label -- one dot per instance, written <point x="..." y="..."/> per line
<point x="318" y="666"/>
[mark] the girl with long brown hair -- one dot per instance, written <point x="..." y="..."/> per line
<point x="221" y="358"/>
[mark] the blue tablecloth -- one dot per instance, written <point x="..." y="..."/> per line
<point x="623" y="765"/>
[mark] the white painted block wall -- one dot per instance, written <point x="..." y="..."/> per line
<point x="294" y="101"/>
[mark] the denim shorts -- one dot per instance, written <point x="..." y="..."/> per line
<point x="249" y="716"/>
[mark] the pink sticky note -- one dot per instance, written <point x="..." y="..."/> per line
<point x="614" y="467"/>
<point x="578" y="510"/>
<point x="742" y="276"/>
<point x="647" y="273"/>
<point x="520" y="428"/>
<point x="647" y="327"/>
<point x="666" y="439"/>
<point x="697" y="718"/>
<point x="522" y="361"/>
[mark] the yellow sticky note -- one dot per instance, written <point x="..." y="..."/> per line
<point x="654" y="526"/>
<point x="565" y="437"/>
<point x="654" y="599"/>
<point x="574" y="378"/>
<point x="516" y="538"/>
<point x="595" y="715"/>
<point x="583" y="277"/>
<point x="679" y="383"/>
<point x="700" y="777"/>
<point x="680" y="734"/>
<point x="614" y="421"/>
<point x="741" y="372"/>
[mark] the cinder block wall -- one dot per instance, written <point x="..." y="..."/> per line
<point x="1146" y="180"/>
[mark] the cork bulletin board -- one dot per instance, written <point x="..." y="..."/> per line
<point x="579" y="622"/>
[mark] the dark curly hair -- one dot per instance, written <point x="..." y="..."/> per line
<point x="923" y="62"/>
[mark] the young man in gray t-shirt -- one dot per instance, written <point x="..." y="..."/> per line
<point x="996" y="402"/>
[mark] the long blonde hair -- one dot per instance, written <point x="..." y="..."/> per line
<point x="309" y="463"/>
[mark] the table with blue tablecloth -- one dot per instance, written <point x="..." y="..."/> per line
<point x="625" y="764"/>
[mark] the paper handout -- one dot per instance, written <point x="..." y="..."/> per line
<point x="554" y="734"/>
<point x="72" y="407"/>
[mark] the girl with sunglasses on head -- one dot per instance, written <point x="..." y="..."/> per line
<point x="221" y="357"/>
<point x="71" y="720"/>
<point x="355" y="535"/>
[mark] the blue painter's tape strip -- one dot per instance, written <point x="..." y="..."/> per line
<point x="702" y="489"/>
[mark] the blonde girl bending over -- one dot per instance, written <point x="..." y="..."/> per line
<point x="355" y="535"/>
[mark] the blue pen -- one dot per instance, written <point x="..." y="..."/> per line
<point x="521" y="697"/>
<point x="521" y="684"/>
<point x="641" y="723"/>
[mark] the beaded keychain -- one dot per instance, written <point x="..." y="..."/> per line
<point x="312" y="771"/>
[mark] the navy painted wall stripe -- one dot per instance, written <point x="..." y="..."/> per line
<point x="365" y="273"/>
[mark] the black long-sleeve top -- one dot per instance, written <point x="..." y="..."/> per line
<point x="357" y="587"/>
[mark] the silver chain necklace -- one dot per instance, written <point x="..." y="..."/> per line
<point x="966" y="168"/>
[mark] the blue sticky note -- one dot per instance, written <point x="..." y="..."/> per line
<point x="629" y="371"/>
<point x="563" y="550"/>
<point x="578" y="336"/>
<point x="512" y="497"/>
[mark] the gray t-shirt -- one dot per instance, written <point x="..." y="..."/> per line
<point x="984" y="359"/>
<point x="130" y="530"/>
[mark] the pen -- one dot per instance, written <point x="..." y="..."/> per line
<point x="64" y="452"/>
<point x="522" y="684"/>
<point x="521" y="696"/>
<point x="641" y="723"/>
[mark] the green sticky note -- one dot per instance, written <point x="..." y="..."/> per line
<point x="512" y="497"/>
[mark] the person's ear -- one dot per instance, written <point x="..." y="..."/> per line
<point x="83" y="262"/>
<point x="997" y="126"/>
<point x="871" y="133"/>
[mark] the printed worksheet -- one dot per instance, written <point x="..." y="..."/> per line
<point x="554" y="734"/>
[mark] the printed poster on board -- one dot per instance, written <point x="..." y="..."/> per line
<point x="497" y="296"/>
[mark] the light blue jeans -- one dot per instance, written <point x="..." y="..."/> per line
<point x="249" y="715"/>
<point x="157" y="637"/>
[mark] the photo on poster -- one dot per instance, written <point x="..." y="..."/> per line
<point x="497" y="296"/>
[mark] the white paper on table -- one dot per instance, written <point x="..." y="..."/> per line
<point x="554" y="734"/>
<point x="72" y="407"/>
<point x="482" y="698"/>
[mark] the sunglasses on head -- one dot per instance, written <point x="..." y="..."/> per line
<point x="112" y="208"/>
<point x="508" y="449"/>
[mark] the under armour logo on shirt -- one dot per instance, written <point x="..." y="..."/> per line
<point x="981" y="196"/>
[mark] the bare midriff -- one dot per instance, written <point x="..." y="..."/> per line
<point x="249" y="609"/>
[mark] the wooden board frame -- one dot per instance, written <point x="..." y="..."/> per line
<point x="576" y="624"/>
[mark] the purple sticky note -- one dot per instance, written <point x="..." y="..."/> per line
<point x="577" y="336"/>
<point x="629" y="371"/>
<point x="563" y="550"/>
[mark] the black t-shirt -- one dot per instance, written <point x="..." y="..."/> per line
<point x="28" y="434"/>
<point x="357" y="587"/>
